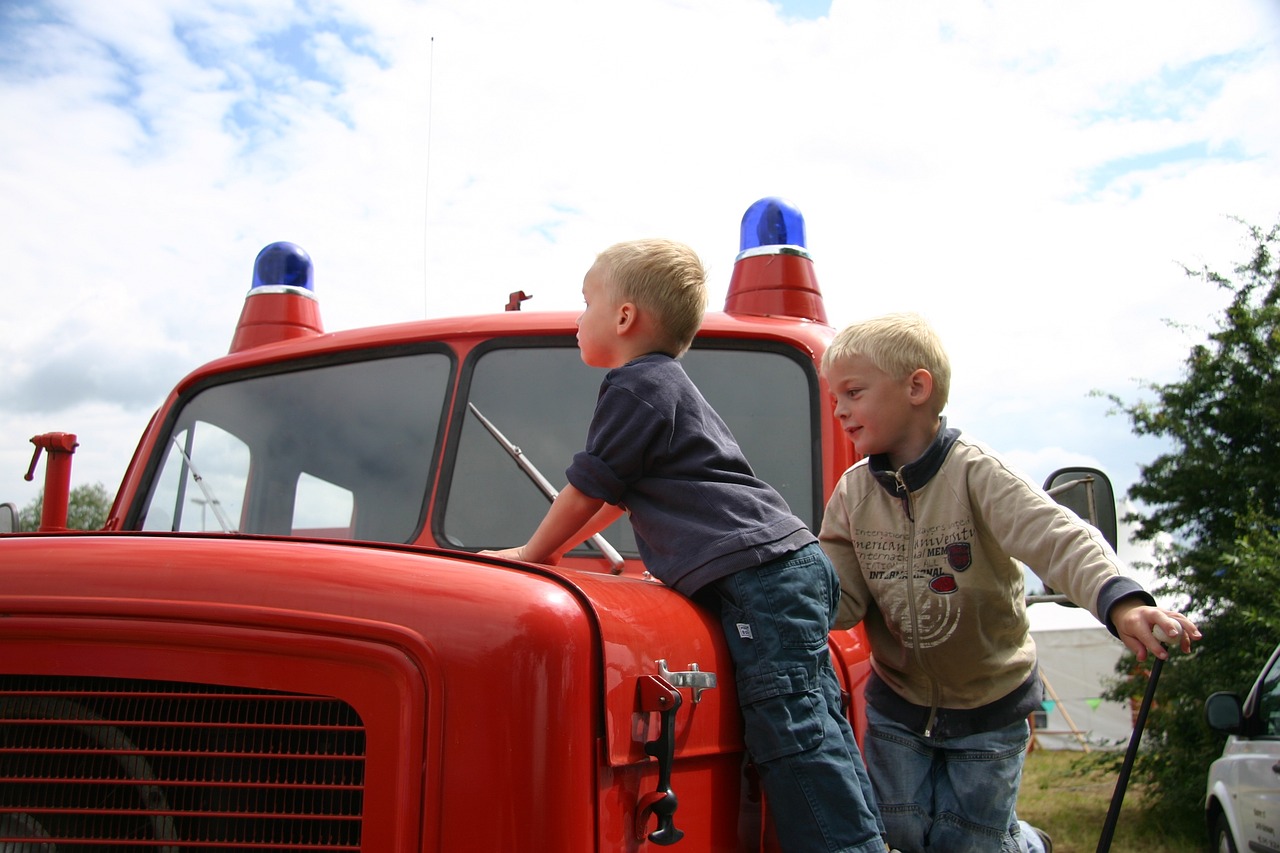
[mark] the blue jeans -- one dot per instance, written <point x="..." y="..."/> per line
<point x="947" y="794"/>
<point x="776" y="618"/>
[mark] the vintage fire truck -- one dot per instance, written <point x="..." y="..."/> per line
<point x="284" y="638"/>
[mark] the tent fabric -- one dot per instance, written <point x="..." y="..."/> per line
<point x="1077" y="664"/>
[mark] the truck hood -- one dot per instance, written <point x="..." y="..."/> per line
<point x="435" y="605"/>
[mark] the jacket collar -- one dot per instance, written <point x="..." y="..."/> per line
<point x="915" y="474"/>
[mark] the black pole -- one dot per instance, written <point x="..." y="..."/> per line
<point x="1113" y="813"/>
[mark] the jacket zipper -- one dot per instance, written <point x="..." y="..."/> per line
<point x="907" y="507"/>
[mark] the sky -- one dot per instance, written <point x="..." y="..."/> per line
<point x="1035" y="178"/>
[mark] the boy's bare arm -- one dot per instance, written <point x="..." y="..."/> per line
<point x="571" y="512"/>
<point x="606" y="515"/>
<point x="1136" y="625"/>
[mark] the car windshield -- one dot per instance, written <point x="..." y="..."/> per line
<point x="338" y="450"/>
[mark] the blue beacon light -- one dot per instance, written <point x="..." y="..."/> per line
<point x="773" y="273"/>
<point x="281" y="303"/>
<point x="283" y="265"/>
<point x="771" y="226"/>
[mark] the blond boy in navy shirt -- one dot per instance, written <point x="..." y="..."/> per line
<point x="708" y="527"/>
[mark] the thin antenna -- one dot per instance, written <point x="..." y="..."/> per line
<point x="426" y="187"/>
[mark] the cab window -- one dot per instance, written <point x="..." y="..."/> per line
<point x="541" y="400"/>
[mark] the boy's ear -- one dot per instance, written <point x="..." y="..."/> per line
<point x="625" y="317"/>
<point x="919" y="386"/>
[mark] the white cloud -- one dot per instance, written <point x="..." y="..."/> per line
<point x="964" y="159"/>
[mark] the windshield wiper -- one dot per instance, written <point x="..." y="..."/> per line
<point x="531" y="470"/>
<point x="210" y="500"/>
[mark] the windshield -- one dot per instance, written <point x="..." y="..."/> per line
<point x="337" y="450"/>
<point x="541" y="400"/>
<point x="350" y="449"/>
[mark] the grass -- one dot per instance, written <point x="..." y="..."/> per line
<point x="1071" y="805"/>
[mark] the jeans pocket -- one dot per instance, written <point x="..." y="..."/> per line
<point x="801" y="593"/>
<point x="782" y="713"/>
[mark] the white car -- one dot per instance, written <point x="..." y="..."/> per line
<point x="1242" y="803"/>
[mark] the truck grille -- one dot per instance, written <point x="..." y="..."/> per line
<point x="105" y="764"/>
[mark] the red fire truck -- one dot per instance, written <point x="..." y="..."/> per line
<point x="284" y="637"/>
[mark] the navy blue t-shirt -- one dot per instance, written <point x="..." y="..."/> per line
<point x="657" y="449"/>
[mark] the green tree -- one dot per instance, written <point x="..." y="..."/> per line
<point x="87" y="508"/>
<point x="1211" y="506"/>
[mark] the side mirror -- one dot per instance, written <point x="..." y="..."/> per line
<point x="1088" y="493"/>
<point x="8" y="518"/>
<point x="1223" y="713"/>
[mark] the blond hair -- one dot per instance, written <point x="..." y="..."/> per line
<point x="899" y="345"/>
<point x="663" y="277"/>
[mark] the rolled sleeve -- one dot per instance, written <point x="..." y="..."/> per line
<point x="623" y="433"/>
<point x="594" y="478"/>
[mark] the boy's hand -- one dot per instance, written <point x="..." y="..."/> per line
<point x="518" y="554"/>
<point x="1136" y="625"/>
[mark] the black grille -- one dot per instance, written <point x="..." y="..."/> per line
<point x="107" y="764"/>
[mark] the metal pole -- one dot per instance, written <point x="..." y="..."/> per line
<point x="1113" y="813"/>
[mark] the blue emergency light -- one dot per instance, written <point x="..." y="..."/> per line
<point x="773" y="273"/>
<point x="283" y="265"/>
<point x="771" y="221"/>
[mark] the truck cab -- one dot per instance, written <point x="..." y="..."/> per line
<point x="285" y="636"/>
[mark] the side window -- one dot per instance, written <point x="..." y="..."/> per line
<point x="207" y="497"/>
<point x="1269" y="702"/>
<point x="335" y="449"/>
<point x="541" y="399"/>
<point x="321" y="508"/>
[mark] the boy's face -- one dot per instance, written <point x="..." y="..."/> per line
<point x="879" y="413"/>
<point x="598" y="322"/>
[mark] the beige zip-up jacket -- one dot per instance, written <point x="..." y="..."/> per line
<point x="927" y="562"/>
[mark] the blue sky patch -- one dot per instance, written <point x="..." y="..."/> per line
<point x="803" y="10"/>
<point x="16" y="21"/>
<point x="1175" y="93"/>
<point x="275" y="66"/>
<point x="1113" y="172"/>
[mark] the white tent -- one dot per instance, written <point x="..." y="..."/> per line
<point x="1077" y="663"/>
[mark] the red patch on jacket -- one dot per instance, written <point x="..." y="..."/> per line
<point x="959" y="556"/>
<point x="944" y="584"/>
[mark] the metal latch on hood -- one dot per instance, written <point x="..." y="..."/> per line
<point x="693" y="678"/>
<point x="660" y="694"/>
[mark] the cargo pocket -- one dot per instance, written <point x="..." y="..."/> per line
<point x="782" y="714"/>
<point x="802" y="593"/>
